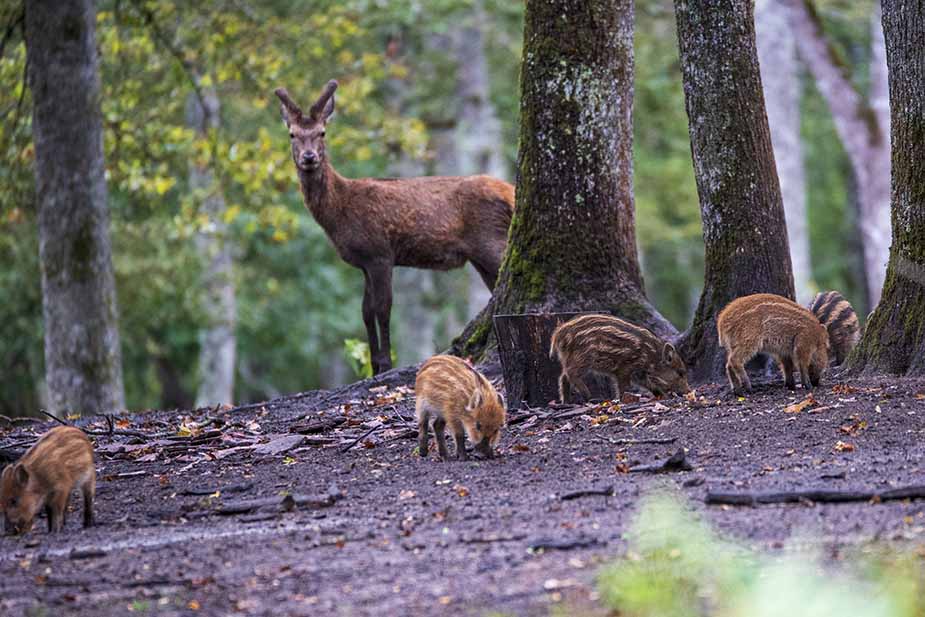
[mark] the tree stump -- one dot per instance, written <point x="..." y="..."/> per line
<point x="531" y="377"/>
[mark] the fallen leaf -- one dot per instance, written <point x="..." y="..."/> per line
<point x="809" y="401"/>
<point x="920" y="396"/>
<point x="123" y="423"/>
<point x="843" y="446"/>
<point x="193" y="605"/>
<point x="406" y="494"/>
<point x="461" y="490"/>
<point x="598" y="420"/>
<point x="519" y="447"/>
<point x="289" y="461"/>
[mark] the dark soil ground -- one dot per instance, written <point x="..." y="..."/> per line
<point x="406" y="536"/>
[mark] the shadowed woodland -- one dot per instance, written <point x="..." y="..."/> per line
<point x="672" y="255"/>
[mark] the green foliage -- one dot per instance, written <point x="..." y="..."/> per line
<point x="357" y="354"/>
<point x="676" y="566"/>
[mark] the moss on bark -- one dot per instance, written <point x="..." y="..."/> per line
<point x="894" y="339"/>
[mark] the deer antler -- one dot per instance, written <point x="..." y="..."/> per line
<point x="289" y="104"/>
<point x="329" y="88"/>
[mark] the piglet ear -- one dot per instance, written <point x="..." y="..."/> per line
<point x="475" y="400"/>
<point x="20" y="474"/>
<point x="669" y="353"/>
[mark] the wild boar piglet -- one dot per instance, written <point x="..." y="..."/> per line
<point x="450" y="392"/>
<point x="61" y="460"/>
<point x="779" y="327"/>
<point x="841" y="322"/>
<point x="625" y="353"/>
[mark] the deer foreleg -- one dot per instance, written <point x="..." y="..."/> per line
<point x="369" y="319"/>
<point x="381" y="278"/>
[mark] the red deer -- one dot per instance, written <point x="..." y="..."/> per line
<point x="437" y="223"/>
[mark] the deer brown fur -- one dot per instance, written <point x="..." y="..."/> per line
<point x="436" y="223"/>
<point x="779" y="327"/>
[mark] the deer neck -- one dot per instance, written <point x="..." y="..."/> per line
<point x="320" y="190"/>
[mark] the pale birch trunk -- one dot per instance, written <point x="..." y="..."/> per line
<point x="217" y="338"/>
<point x="777" y="57"/>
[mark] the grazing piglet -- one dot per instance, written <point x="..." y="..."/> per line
<point x="44" y="478"/>
<point x="839" y="318"/>
<point x="457" y="395"/>
<point x="623" y="352"/>
<point x="774" y="325"/>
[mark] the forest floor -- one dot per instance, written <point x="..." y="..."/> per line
<point x="192" y="517"/>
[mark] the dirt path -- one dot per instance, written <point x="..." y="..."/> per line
<point x="412" y="537"/>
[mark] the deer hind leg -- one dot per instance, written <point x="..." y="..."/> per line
<point x="380" y="276"/>
<point x="488" y="270"/>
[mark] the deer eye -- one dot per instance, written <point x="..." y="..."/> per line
<point x="13" y="502"/>
<point x="321" y="134"/>
<point x="291" y="135"/>
<point x="478" y="426"/>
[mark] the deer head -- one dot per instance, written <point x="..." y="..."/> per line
<point x="306" y="132"/>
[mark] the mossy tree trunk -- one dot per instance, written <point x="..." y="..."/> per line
<point x="894" y="340"/>
<point x="83" y="362"/>
<point x="572" y="243"/>
<point x="740" y="200"/>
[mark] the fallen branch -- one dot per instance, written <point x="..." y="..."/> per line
<point x="491" y="539"/>
<point x="591" y="492"/>
<point x="561" y="545"/>
<point x="281" y="504"/>
<point x="677" y="462"/>
<point x="815" y="496"/>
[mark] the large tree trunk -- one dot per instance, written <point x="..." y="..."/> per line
<point x="572" y="243"/>
<point x="894" y="340"/>
<point x="217" y="339"/>
<point x="777" y="55"/>
<point x="83" y="361"/>
<point x="740" y="201"/>
<point x="862" y="126"/>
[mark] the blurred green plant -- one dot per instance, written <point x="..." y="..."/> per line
<point x="676" y="566"/>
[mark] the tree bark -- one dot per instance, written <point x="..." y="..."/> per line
<point x="572" y="244"/>
<point x="894" y="340"/>
<point x="83" y="363"/>
<point x="740" y="201"/>
<point x="862" y="126"/>
<point x="217" y="340"/>
<point x="777" y="56"/>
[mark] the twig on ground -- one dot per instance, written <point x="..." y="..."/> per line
<point x="591" y="492"/>
<point x="361" y="438"/>
<point x="677" y="462"/>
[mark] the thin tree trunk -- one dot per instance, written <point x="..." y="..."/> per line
<point x="83" y="363"/>
<point x="894" y="340"/>
<point x="862" y="126"/>
<point x="777" y="56"/>
<point x="740" y="202"/>
<point x="478" y="133"/>
<point x="572" y="240"/>
<point x="217" y="338"/>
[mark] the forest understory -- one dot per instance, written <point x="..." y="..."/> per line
<point x="315" y="504"/>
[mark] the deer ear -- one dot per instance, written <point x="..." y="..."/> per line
<point x="20" y="474"/>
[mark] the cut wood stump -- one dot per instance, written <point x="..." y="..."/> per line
<point x="531" y="377"/>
